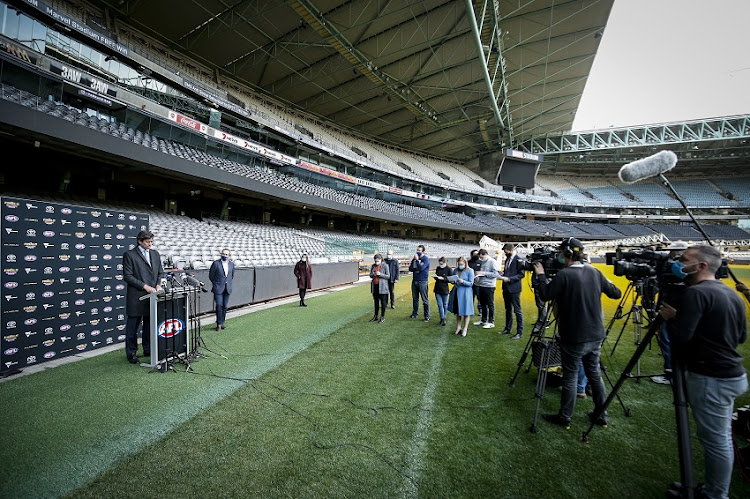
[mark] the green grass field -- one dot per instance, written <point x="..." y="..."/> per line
<point x="319" y="402"/>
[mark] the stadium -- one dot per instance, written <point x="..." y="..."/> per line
<point x="339" y="130"/>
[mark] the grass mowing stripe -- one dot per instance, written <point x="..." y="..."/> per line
<point x="410" y="487"/>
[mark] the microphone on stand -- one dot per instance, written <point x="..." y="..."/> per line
<point x="192" y="281"/>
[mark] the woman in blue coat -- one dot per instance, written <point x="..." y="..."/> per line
<point x="461" y="301"/>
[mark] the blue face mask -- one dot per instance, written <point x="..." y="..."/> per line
<point x="224" y="257"/>
<point x="460" y="267"/>
<point x="678" y="269"/>
<point x="419" y="254"/>
<point x="442" y="265"/>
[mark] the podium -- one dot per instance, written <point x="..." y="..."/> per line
<point x="171" y="331"/>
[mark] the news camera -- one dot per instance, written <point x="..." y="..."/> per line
<point x="646" y="262"/>
<point x="548" y="257"/>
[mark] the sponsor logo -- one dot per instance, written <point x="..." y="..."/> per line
<point x="31" y="232"/>
<point x="107" y="309"/>
<point x="48" y="233"/>
<point x="30" y="206"/>
<point x="30" y="245"/>
<point x="30" y="258"/>
<point x="64" y="269"/>
<point x="66" y="211"/>
<point x="11" y="351"/>
<point x="65" y="327"/>
<point x="48" y="343"/>
<point x="12" y="204"/>
<point x="11" y="218"/>
<point x="121" y="327"/>
<point x="95" y="332"/>
<point x="30" y="322"/>
<point x="64" y="258"/>
<point x="49" y="355"/>
<point x="82" y="346"/>
<point x="48" y="221"/>
<point x="170" y="328"/>
<point x="11" y="284"/>
<point x="11" y="231"/>
<point x="30" y="309"/>
<point x="95" y="225"/>
<point x="80" y="246"/>
<point x="94" y="343"/>
<point x="63" y="280"/>
<point x="10" y="324"/>
<point x="30" y="296"/>
<point x="94" y="268"/>
<point x="47" y="270"/>
<point x="10" y="258"/>
<point x="107" y="299"/>
<point x="10" y="363"/>
<point x="49" y="209"/>
<point x="11" y="271"/>
<point x="79" y="291"/>
<point x="10" y="338"/>
<point x="65" y="246"/>
<point x="48" y="245"/>
<point x="10" y="297"/>
<point x="47" y="305"/>
<point x="31" y="359"/>
<point x="64" y="316"/>
<point x="120" y="287"/>
<point x="65" y="338"/>
<point x="48" y="282"/>
<point x="96" y="214"/>
<point x="80" y="235"/>
<point x="80" y="336"/>
<point x="80" y="302"/>
<point x="64" y="222"/>
<point x="107" y="256"/>
<point x="29" y="270"/>
<point x="48" y="294"/>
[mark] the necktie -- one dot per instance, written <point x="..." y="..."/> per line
<point x="146" y="256"/>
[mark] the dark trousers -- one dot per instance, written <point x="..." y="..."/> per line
<point x="391" y="292"/>
<point x="222" y="303"/>
<point x="475" y="289"/>
<point x="419" y="290"/>
<point x="380" y="301"/>
<point x="541" y="308"/>
<point x="302" y="295"/>
<point x="132" y="325"/>
<point x="571" y="357"/>
<point x="486" y="297"/>
<point x="513" y="305"/>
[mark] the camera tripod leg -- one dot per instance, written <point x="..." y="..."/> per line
<point x="522" y="360"/>
<point x="680" y="403"/>
<point x="541" y="381"/>
<point x="603" y="370"/>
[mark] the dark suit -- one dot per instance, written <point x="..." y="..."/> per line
<point x="513" y="270"/>
<point x="221" y="287"/>
<point x="137" y="273"/>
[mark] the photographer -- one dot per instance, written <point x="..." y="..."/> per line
<point x="708" y="323"/>
<point x="577" y="289"/>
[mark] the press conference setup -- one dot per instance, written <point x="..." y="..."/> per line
<point x="294" y="149"/>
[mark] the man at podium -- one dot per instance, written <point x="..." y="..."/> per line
<point x="142" y="272"/>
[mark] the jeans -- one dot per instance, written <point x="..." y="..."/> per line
<point x="419" y="290"/>
<point x="541" y="308"/>
<point x="475" y="290"/>
<point x="664" y="344"/>
<point x="513" y="305"/>
<point x="712" y="404"/>
<point x="486" y="297"/>
<point x="582" y="380"/>
<point x="442" y="303"/>
<point x="572" y="355"/>
<point x="222" y="303"/>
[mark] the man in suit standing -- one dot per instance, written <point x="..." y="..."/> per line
<point x="512" y="276"/>
<point x="221" y="275"/>
<point x="142" y="272"/>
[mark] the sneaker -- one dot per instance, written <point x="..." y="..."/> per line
<point x="557" y="419"/>
<point x="602" y="421"/>
<point x="517" y="336"/>
<point x="413" y="316"/>
<point x="479" y="323"/>
<point x="427" y="319"/>
<point x="662" y="380"/>
<point x="489" y="325"/>
<point x="382" y="320"/>
<point x="581" y="395"/>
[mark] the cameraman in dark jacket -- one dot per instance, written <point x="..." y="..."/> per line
<point x="577" y="290"/>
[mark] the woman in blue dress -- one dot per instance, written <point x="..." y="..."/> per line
<point x="461" y="301"/>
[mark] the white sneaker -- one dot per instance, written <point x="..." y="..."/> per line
<point x="479" y="323"/>
<point x="489" y="325"/>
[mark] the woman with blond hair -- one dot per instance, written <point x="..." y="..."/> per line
<point x="461" y="301"/>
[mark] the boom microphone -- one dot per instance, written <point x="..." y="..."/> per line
<point x="651" y="166"/>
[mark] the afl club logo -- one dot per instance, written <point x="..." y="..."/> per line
<point x="11" y="284"/>
<point x="30" y="258"/>
<point x="170" y="328"/>
<point x="11" y="218"/>
<point x="133" y="217"/>
<point x="80" y="246"/>
<point x="120" y="236"/>
<point x="48" y="294"/>
<point x="49" y="355"/>
<point x="30" y="322"/>
<point x="95" y="225"/>
<point x="66" y="211"/>
<point x="48" y="233"/>
<point x="80" y="302"/>
<point x="64" y="269"/>
<point x="11" y="351"/>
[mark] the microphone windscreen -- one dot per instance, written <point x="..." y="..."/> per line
<point x="648" y="167"/>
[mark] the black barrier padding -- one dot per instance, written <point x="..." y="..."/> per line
<point x="242" y="289"/>
<point x="276" y="282"/>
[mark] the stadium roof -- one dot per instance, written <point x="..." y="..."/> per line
<point x="415" y="74"/>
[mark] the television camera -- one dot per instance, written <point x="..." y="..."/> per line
<point x="548" y="257"/>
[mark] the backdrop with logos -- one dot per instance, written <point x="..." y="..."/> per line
<point x="62" y="285"/>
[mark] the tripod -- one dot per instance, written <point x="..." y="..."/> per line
<point x="680" y="404"/>
<point x="635" y="291"/>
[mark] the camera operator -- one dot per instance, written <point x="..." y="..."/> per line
<point x="709" y="322"/>
<point x="577" y="290"/>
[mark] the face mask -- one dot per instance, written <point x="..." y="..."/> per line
<point x="460" y="267"/>
<point x="561" y="258"/>
<point x="442" y="265"/>
<point x="389" y="257"/>
<point x="419" y="254"/>
<point x="224" y="257"/>
<point x="304" y="258"/>
<point x="678" y="269"/>
<point x="377" y="262"/>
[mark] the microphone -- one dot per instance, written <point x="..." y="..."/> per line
<point x="164" y="285"/>
<point x="192" y="281"/>
<point x="651" y="166"/>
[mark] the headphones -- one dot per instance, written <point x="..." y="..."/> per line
<point x="571" y="247"/>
